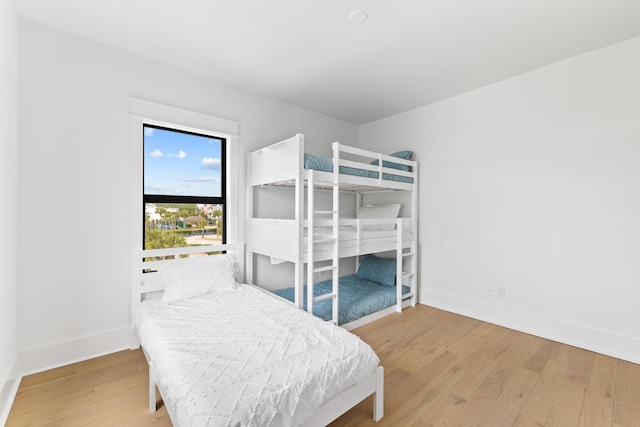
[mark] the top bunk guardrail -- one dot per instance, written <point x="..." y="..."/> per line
<point x="360" y="170"/>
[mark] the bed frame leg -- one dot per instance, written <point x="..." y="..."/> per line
<point x="152" y="389"/>
<point x="378" y="396"/>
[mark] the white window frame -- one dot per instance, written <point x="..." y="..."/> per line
<point x="147" y="112"/>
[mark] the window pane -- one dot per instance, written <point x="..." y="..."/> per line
<point x="172" y="225"/>
<point x="181" y="163"/>
<point x="184" y="189"/>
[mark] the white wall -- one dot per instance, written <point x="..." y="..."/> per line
<point x="74" y="201"/>
<point x="527" y="184"/>
<point x="8" y="190"/>
<point x="531" y="184"/>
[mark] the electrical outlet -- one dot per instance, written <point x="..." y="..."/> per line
<point x="496" y="292"/>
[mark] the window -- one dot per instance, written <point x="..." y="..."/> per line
<point x="184" y="188"/>
<point x="147" y="115"/>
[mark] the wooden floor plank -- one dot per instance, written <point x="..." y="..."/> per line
<point x="545" y="391"/>
<point x="439" y="414"/>
<point x="568" y="406"/>
<point x="441" y="369"/>
<point x="582" y="363"/>
<point x="474" y="372"/>
<point x="539" y="359"/>
<point x="597" y="410"/>
<point x="525" y="421"/>
<point x="626" y="405"/>
<point x="507" y="407"/>
<point x="603" y="377"/>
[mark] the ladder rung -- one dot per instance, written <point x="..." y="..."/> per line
<point x="405" y="274"/>
<point x="325" y="268"/>
<point x="324" y="212"/>
<point x="408" y="253"/>
<point x="407" y="295"/>
<point x="325" y="296"/>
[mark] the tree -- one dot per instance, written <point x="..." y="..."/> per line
<point x="160" y="239"/>
<point x="202" y="223"/>
<point x="217" y="218"/>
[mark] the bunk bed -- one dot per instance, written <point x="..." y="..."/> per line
<point x="316" y="240"/>
<point x="224" y="353"/>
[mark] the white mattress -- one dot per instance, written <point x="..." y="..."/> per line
<point x="247" y="358"/>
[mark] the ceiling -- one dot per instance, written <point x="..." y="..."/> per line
<point x="306" y="52"/>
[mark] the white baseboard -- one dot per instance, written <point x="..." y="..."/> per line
<point x="7" y="396"/>
<point x="38" y="359"/>
<point x="617" y="346"/>
<point x="8" y="392"/>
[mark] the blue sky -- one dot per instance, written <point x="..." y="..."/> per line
<point x="176" y="163"/>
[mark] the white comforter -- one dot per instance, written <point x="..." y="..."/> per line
<point x="246" y="358"/>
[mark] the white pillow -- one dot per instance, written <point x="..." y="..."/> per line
<point x="197" y="276"/>
<point x="379" y="211"/>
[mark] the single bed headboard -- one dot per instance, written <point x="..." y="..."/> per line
<point x="145" y="262"/>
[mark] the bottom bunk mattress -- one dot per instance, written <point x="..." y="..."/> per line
<point x="356" y="298"/>
<point x="243" y="357"/>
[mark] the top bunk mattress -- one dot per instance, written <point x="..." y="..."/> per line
<point x="243" y="357"/>
<point x="325" y="164"/>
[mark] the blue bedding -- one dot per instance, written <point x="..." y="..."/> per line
<point x="325" y="164"/>
<point x="357" y="298"/>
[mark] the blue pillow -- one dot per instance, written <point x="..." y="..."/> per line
<point x="318" y="163"/>
<point x="379" y="270"/>
<point x="404" y="154"/>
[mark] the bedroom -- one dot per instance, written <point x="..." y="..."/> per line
<point x="552" y="218"/>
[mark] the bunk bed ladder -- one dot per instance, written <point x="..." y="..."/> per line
<point x="406" y="264"/>
<point x="407" y="258"/>
<point x="312" y="270"/>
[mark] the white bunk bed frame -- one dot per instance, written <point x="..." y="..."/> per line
<point x="143" y="287"/>
<point x="282" y="164"/>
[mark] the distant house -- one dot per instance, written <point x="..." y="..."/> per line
<point x="150" y="210"/>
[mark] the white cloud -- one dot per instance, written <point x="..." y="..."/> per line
<point x="210" y="163"/>
<point x="148" y="131"/>
<point x="159" y="189"/>
<point x="181" y="154"/>
<point x="156" y="153"/>
<point x="213" y="179"/>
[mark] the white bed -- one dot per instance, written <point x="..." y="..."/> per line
<point x="240" y="356"/>
<point x="349" y="170"/>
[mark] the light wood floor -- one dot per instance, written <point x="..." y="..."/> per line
<point x="441" y="369"/>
